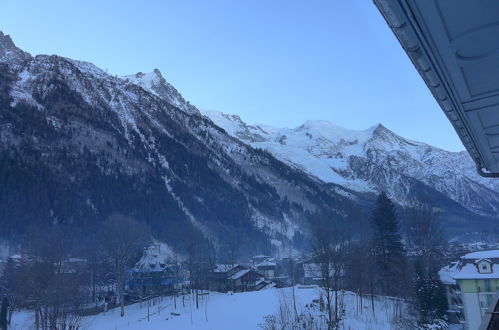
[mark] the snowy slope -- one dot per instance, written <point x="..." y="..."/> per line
<point x="371" y="160"/>
<point x="242" y="311"/>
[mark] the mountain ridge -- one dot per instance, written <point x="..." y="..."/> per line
<point x="79" y="144"/>
<point x="328" y="151"/>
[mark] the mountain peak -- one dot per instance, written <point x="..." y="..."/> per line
<point x="335" y="133"/>
<point x="157" y="73"/>
<point x="381" y="133"/>
<point x="147" y="80"/>
<point x="9" y="53"/>
<point x="6" y="41"/>
<point x="155" y="83"/>
<point x="379" y="129"/>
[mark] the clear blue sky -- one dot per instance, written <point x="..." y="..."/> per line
<point x="278" y="62"/>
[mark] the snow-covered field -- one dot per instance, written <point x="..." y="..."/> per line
<point x="242" y="311"/>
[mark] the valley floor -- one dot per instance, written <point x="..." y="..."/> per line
<point x="218" y="311"/>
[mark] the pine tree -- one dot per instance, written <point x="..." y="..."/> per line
<point x="425" y="236"/>
<point x="388" y="247"/>
<point x="430" y="295"/>
<point x="3" y="312"/>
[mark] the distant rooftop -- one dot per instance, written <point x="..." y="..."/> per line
<point x="224" y="268"/>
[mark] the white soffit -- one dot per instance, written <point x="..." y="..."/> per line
<point x="454" y="44"/>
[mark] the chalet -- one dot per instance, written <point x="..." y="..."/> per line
<point x="455" y="312"/>
<point x="245" y="280"/>
<point x="267" y="267"/>
<point x="292" y="270"/>
<point x="311" y="273"/>
<point x="218" y="278"/>
<point x="236" y="277"/>
<point x="153" y="273"/>
<point x="471" y="286"/>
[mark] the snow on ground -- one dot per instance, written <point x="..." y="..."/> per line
<point x="242" y="311"/>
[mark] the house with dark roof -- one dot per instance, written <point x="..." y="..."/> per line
<point x="266" y="266"/>
<point x="226" y="277"/>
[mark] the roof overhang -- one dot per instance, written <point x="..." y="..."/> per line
<point x="454" y="44"/>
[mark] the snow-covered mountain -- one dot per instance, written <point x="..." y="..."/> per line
<point x="372" y="160"/>
<point x="78" y="144"/>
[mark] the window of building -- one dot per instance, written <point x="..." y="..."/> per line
<point x="489" y="299"/>
<point x="487" y="286"/>
<point x="484" y="266"/>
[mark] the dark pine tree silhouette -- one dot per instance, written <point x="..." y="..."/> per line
<point x="3" y="312"/>
<point x="388" y="247"/>
<point x="431" y="302"/>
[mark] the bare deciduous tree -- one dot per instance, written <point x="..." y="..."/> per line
<point x="122" y="240"/>
<point x="425" y="235"/>
<point x="234" y="247"/>
<point x="48" y="280"/>
<point x="330" y="247"/>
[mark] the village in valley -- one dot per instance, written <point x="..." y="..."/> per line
<point x="195" y="291"/>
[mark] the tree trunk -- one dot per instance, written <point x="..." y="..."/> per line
<point x="37" y="318"/>
<point x="329" y="311"/>
<point x="372" y="298"/>
<point x="197" y="299"/>
<point x="336" y="307"/>
<point x="294" y="304"/>
<point x="122" y="297"/>
<point x="122" y="304"/>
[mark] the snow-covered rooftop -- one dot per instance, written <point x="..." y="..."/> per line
<point x="155" y="258"/>
<point x="489" y="254"/>
<point x="467" y="268"/>
<point x="223" y="268"/>
<point x="261" y="256"/>
<point x="447" y="273"/>
<point x="240" y="274"/>
<point x="470" y="271"/>
<point x="266" y="263"/>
